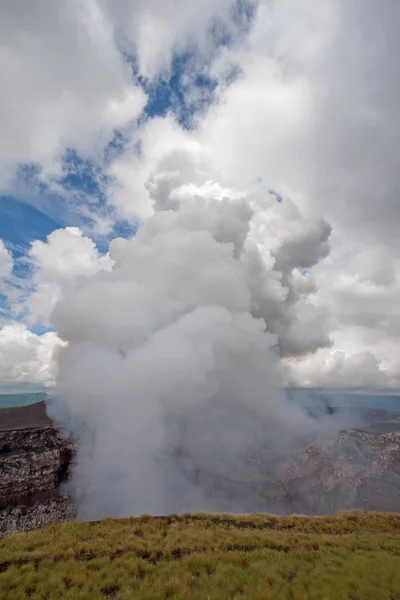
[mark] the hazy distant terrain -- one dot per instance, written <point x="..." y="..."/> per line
<point x="8" y="401"/>
<point x="304" y="397"/>
<point x="345" y="399"/>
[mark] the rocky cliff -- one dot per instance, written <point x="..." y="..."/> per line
<point x="352" y="469"/>
<point x="34" y="461"/>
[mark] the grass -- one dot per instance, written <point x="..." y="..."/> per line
<point x="353" y="556"/>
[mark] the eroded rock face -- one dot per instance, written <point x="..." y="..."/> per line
<point x="34" y="461"/>
<point x="353" y="470"/>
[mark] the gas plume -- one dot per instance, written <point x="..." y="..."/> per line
<point x="172" y="368"/>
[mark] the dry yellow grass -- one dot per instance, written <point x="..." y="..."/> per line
<point x="353" y="556"/>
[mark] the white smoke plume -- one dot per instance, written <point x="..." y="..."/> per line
<point x="172" y="366"/>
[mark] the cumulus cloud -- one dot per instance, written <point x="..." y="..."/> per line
<point x="130" y="175"/>
<point x="26" y="357"/>
<point x="337" y="369"/>
<point x="67" y="253"/>
<point x="310" y="111"/>
<point x="59" y="264"/>
<point x="280" y="241"/>
<point x="305" y="104"/>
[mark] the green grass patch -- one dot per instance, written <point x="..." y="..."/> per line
<point x="354" y="556"/>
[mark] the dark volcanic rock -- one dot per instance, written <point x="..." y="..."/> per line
<point x="34" y="460"/>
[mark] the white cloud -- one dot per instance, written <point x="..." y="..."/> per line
<point x="340" y="370"/>
<point x="6" y="261"/>
<point x="154" y="29"/>
<point x="65" y="79"/>
<point x="312" y="114"/>
<point x="67" y="254"/>
<point x="60" y="264"/>
<point x="130" y="172"/>
<point x="26" y="357"/>
<point x="64" y="83"/>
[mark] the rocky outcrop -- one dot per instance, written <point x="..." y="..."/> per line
<point x="34" y="461"/>
<point x="353" y="470"/>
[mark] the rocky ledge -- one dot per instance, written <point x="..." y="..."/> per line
<point x="34" y="461"/>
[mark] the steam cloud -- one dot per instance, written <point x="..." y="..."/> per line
<point x="173" y="361"/>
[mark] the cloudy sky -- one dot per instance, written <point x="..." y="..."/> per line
<point x="111" y="110"/>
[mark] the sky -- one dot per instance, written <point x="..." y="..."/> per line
<point x="114" y="110"/>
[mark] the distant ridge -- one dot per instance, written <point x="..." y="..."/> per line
<point x="23" y="399"/>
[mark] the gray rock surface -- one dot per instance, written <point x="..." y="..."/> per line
<point x="34" y="461"/>
<point x="26" y="518"/>
<point x="353" y="470"/>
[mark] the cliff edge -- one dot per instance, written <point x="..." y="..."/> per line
<point x="352" y="469"/>
<point x="34" y="462"/>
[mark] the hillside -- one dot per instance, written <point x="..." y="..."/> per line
<point x="353" y="556"/>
